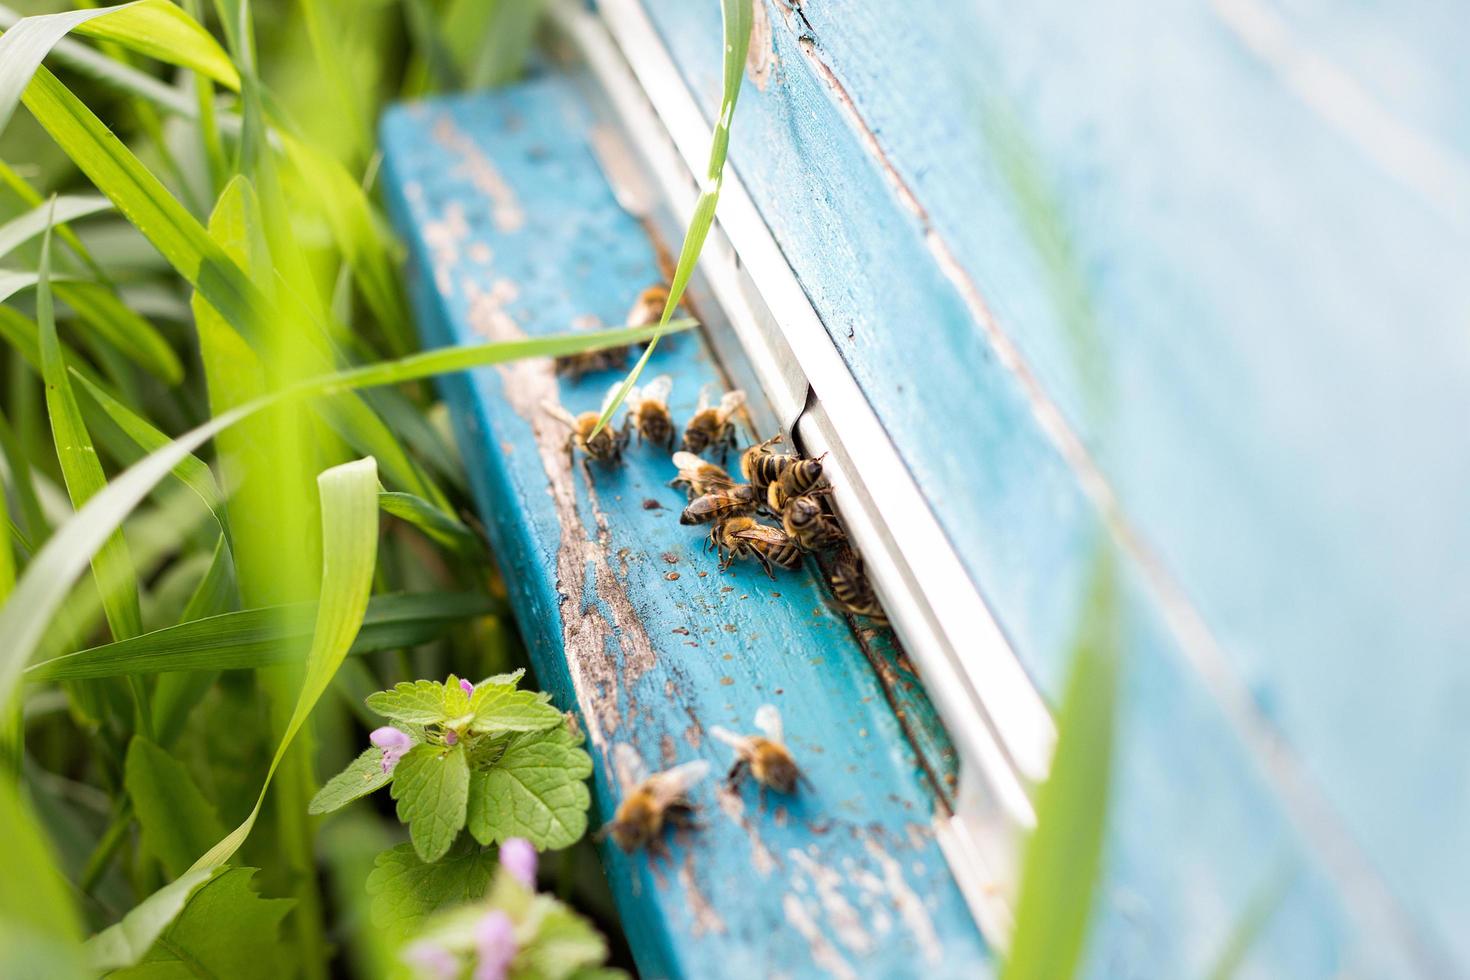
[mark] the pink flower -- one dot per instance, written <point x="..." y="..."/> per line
<point x="393" y="743"/>
<point x="495" y="946"/>
<point x="429" y="959"/>
<point x="518" y="858"/>
<point x="466" y="686"/>
<point x="451" y="737"/>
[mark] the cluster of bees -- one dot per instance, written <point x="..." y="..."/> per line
<point x="787" y="488"/>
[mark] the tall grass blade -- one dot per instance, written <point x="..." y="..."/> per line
<point x="19" y="230"/>
<point x="153" y="27"/>
<point x="737" y="17"/>
<point x="1253" y="920"/>
<point x="113" y="567"/>
<point x="137" y="339"/>
<point x="50" y="574"/>
<point x="254" y="638"/>
<point x="350" y="542"/>
<point x="1064" y="856"/>
<point x="177" y="693"/>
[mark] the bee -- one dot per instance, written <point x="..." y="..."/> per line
<point x="648" y="411"/>
<point x="797" y="477"/>
<point x="698" y="476"/>
<point x="765" y="756"/>
<point x="714" y="427"/>
<point x="721" y="504"/>
<point x="744" y="537"/>
<point x="648" y="308"/>
<point x="650" y="801"/>
<point x="762" y="465"/>
<point x="806" y="523"/>
<point x="606" y="447"/>
<point x="852" y="590"/>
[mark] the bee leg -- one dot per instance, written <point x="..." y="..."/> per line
<point x="682" y="816"/>
<point x="765" y="565"/>
<point x="736" y="771"/>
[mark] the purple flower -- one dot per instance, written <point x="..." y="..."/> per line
<point x="393" y="743"/>
<point x="451" y="737"/>
<point x="466" y="686"/>
<point x="518" y="857"/>
<point x="495" y="946"/>
<point x="431" y="960"/>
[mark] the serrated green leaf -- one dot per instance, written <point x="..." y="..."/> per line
<point x="405" y="889"/>
<point x="501" y="708"/>
<point x="226" y="930"/>
<point x="362" y="776"/>
<point x="535" y="790"/>
<point x="175" y="821"/>
<point x="413" y="702"/>
<point x="432" y="786"/>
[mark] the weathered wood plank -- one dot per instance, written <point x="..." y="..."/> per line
<point x="512" y="230"/>
<point x="1225" y="243"/>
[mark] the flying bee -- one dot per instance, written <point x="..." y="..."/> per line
<point x="648" y="411"/>
<point x="765" y="756"/>
<point x="796" y="478"/>
<point x="762" y="465"/>
<point x="745" y="537"/>
<point x="714" y="426"/>
<point x="806" y="523"/>
<point x="698" y="476"/>
<point x="721" y="505"/>
<point x="650" y="801"/>
<point x="853" y="592"/>
<point x="606" y="447"/>
<point x="648" y="308"/>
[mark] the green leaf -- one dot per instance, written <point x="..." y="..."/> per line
<point x="349" y="510"/>
<point x="501" y="708"/>
<point x="564" y="943"/>
<point x="362" y="776"/>
<point x="535" y="790"/>
<point x="263" y="637"/>
<point x="412" y="702"/>
<point x="22" y="229"/>
<point x="113" y="567"/>
<point x="176" y="694"/>
<point x="435" y="524"/>
<point x="1064" y="855"/>
<point x="176" y="822"/>
<point x="432" y="785"/>
<point x="226" y="930"/>
<point x="134" y="336"/>
<point x="34" y="896"/>
<point x="145" y="202"/>
<point x="405" y="889"/>
<point x="49" y="576"/>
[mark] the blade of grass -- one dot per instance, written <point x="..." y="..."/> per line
<point x="21" y="229"/>
<point x="133" y="336"/>
<point x="29" y="195"/>
<point x="254" y="638"/>
<point x="152" y="27"/>
<point x="48" y="578"/>
<point x="433" y="522"/>
<point x="350" y="538"/>
<point x="736" y="16"/>
<point x="1253" y="920"/>
<point x="112" y="567"/>
<point x="1063" y="859"/>
<point x="176" y="694"/>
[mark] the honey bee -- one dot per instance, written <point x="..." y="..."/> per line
<point x="720" y="505"/>
<point x="766" y="756"/>
<point x="650" y="801"/>
<point x="853" y="592"/>
<point x="762" y="465"/>
<point x="648" y="412"/>
<point x="648" y="308"/>
<point x="800" y="476"/>
<point x="698" y="476"/>
<point x="714" y="426"/>
<point x="806" y="523"/>
<point x="605" y="447"/>
<point x="744" y="537"/>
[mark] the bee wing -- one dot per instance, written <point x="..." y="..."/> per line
<point x="731" y="401"/>
<point x="687" y="462"/>
<point x="760" y="532"/>
<point x="658" y="389"/>
<point x="736" y="742"/>
<point x="560" y="414"/>
<point x="671" y="784"/>
<point x="705" y="504"/>
<point x="629" y="766"/>
<point x="768" y="720"/>
<point x="703" y="400"/>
